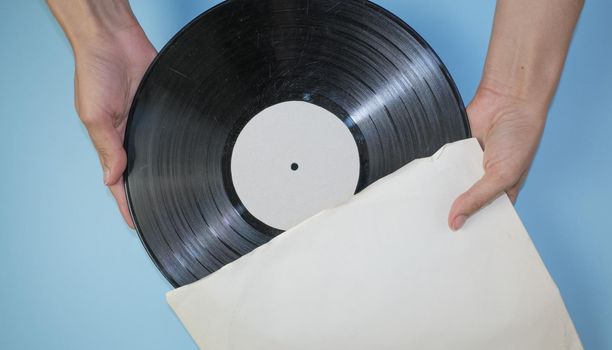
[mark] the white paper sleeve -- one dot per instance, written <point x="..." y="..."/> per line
<point x="384" y="271"/>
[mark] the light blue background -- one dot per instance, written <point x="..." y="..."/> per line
<point x="73" y="276"/>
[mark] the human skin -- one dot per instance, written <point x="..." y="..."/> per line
<point x="526" y="55"/>
<point x="524" y="63"/>
<point x="111" y="54"/>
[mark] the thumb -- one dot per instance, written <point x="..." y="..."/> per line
<point x="109" y="145"/>
<point x="118" y="191"/>
<point x="484" y="191"/>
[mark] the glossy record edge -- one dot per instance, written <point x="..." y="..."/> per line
<point x="152" y="66"/>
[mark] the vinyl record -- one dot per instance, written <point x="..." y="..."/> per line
<point x="260" y="113"/>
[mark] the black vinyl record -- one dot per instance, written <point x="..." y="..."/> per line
<point x="350" y="57"/>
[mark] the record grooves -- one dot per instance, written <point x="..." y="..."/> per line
<point x="352" y="58"/>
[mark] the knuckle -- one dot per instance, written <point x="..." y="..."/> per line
<point x="503" y="176"/>
<point x="103" y="153"/>
<point x="90" y="120"/>
<point x="471" y="202"/>
<point x="475" y="205"/>
<point x="468" y="197"/>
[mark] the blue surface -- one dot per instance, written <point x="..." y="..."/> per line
<point x="72" y="274"/>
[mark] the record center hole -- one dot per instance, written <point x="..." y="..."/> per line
<point x="294" y="166"/>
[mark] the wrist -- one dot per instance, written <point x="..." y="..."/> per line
<point x="87" y="22"/>
<point x="490" y="106"/>
<point x="517" y="94"/>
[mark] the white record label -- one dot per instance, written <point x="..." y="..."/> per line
<point x="293" y="160"/>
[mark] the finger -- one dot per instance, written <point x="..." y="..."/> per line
<point x="514" y="191"/>
<point x="513" y="194"/>
<point x="118" y="191"/>
<point x="482" y="192"/>
<point x="109" y="145"/>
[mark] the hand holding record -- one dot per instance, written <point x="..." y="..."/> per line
<point x="112" y="54"/>
<point x="524" y="64"/>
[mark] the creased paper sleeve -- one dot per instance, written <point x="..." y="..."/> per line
<point x="384" y="271"/>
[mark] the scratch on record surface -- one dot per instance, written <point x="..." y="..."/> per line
<point x="333" y="7"/>
<point x="179" y="73"/>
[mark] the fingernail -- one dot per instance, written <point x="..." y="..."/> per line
<point x="459" y="221"/>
